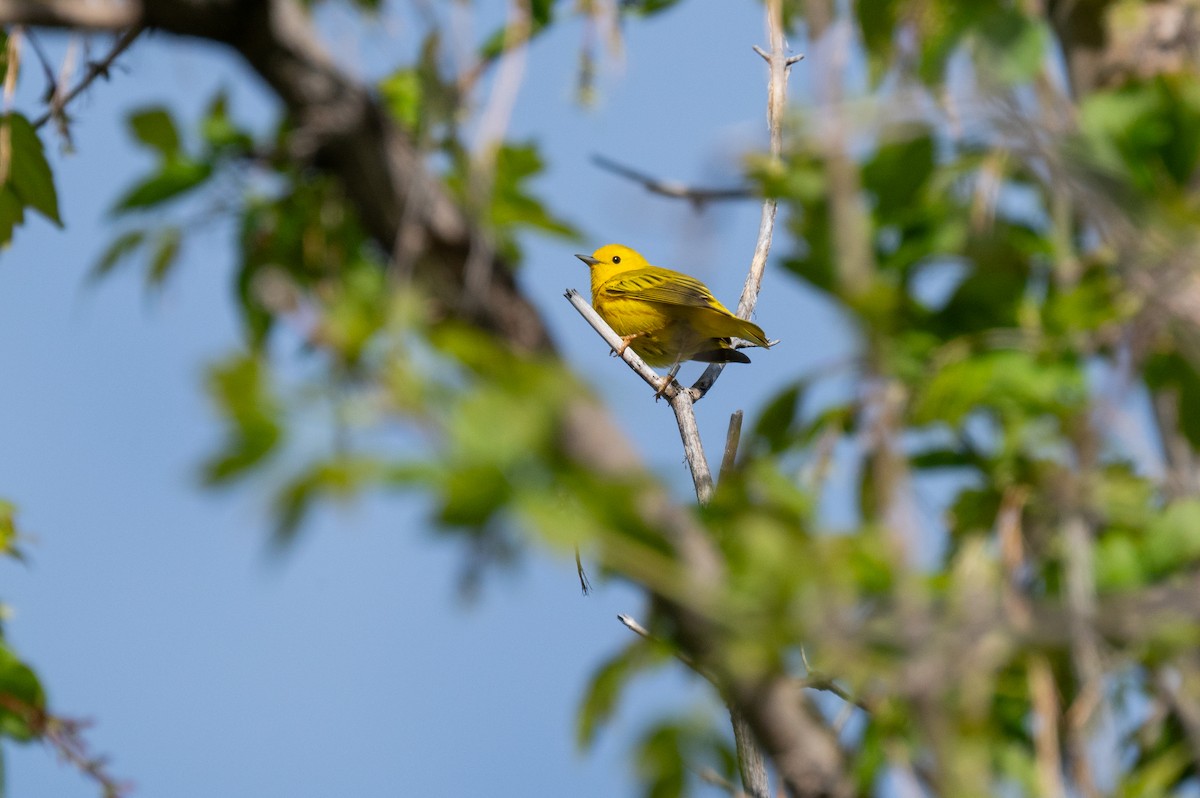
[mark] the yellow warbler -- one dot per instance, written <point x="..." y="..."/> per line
<point x="665" y="316"/>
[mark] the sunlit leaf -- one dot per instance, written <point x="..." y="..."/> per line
<point x="604" y="690"/>
<point x="155" y="128"/>
<point x="240" y="388"/>
<point x="166" y="251"/>
<point x="172" y="180"/>
<point x="29" y="180"/>
<point x="22" y="694"/>
<point x="122" y="247"/>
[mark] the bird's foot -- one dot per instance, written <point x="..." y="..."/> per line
<point x="626" y="340"/>
<point x="664" y="384"/>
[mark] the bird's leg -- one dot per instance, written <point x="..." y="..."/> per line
<point x="667" y="379"/>
<point x="626" y="340"/>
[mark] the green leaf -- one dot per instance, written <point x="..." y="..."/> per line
<point x="661" y="763"/>
<point x="670" y="751"/>
<point x="899" y="170"/>
<point x="1015" y="384"/>
<point x="8" y="530"/>
<point x="473" y="494"/>
<point x="12" y="213"/>
<point x="1013" y="46"/>
<point x="878" y="26"/>
<point x="1149" y="131"/>
<point x="404" y="95"/>
<point x="516" y="164"/>
<point x="342" y="478"/>
<point x="646" y="8"/>
<point x="166" y="251"/>
<point x="120" y="249"/>
<point x="1118" y="564"/>
<point x="1171" y="371"/>
<point x="604" y="689"/>
<point x="541" y="13"/>
<point x="23" y="697"/>
<point x="1173" y="538"/>
<point x="1158" y="776"/>
<point x="219" y="131"/>
<point x="243" y="394"/>
<point x="174" y="179"/>
<point x="29" y="176"/>
<point x="776" y="424"/>
<point x="155" y="128"/>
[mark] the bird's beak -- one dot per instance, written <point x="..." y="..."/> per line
<point x="588" y="259"/>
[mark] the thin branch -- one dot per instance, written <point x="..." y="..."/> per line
<point x="585" y="584"/>
<point x="710" y="776"/>
<point x="826" y="684"/>
<point x="732" y="438"/>
<point x="614" y="341"/>
<point x="1045" y="731"/>
<point x="96" y="69"/>
<point x="681" y="401"/>
<point x="778" y="65"/>
<point x="65" y="737"/>
<point x="674" y="189"/>
<point x="632" y="625"/>
<point x="693" y="449"/>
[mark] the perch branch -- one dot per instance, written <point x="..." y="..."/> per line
<point x="680" y="401"/>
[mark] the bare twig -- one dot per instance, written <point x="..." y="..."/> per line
<point x="825" y="684"/>
<point x="585" y="584"/>
<point x="632" y="625"/>
<point x="613" y="340"/>
<point x="1045" y="730"/>
<point x="96" y="69"/>
<point x="65" y="737"/>
<point x="778" y="65"/>
<point x="693" y="449"/>
<point x="732" y="438"/>
<point x="698" y="197"/>
<point x="710" y="776"/>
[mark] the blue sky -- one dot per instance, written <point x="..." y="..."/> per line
<point x="349" y="666"/>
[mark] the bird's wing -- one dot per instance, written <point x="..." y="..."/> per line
<point x="661" y="285"/>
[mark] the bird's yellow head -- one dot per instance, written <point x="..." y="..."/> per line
<point x="610" y="260"/>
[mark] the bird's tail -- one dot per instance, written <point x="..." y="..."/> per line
<point x="722" y="352"/>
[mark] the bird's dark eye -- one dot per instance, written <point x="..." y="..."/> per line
<point x="616" y="259"/>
